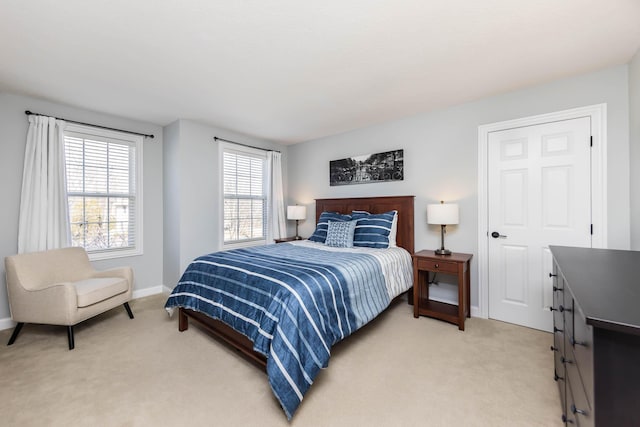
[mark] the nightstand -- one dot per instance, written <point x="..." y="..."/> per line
<point x="286" y="239"/>
<point x="457" y="264"/>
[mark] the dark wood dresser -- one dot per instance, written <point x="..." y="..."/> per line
<point x="596" y="339"/>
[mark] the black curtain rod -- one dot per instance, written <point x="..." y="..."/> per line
<point x="29" y="113"/>
<point x="215" y="138"/>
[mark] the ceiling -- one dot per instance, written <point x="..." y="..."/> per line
<point x="291" y="70"/>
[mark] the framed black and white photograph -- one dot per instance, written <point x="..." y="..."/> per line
<point x="379" y="167"/>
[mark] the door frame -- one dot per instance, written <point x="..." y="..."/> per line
<point x="598" y="115"/>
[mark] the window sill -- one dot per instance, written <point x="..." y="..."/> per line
<point x="101" y="255"/>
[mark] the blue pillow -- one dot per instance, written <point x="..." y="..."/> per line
<point x="340" y="234"/>
<point x="373" y="230"/>
<point x="320" y="234"/>
<point x="359" y="214"/>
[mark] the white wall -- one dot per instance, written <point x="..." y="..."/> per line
<point x="192" y="185"/>
<point x="634" y="145"/>
<point x="171" y="183"/>
<point x="440" y="163"/>
<point x="441" y="151"/>
<point x="13" y="134"/>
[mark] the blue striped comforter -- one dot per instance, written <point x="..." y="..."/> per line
<point x="294" y="302"/>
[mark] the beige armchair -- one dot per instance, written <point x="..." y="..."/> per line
<point x="60" y="287"/>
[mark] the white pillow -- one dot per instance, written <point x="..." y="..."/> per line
<point x="394" y="232"/>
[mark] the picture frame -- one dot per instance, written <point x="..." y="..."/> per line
<point x="369" y="168"/>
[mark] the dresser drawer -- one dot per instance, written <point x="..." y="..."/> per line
<point x="558" y="322"/>
<point x="558" y="347"/>
<point x="578" y="409"/>
<point x="558" y="298"/>
<point x="558" y="355"/>
<point x="581" y="343"/>
<point x="558" y="282"/>
<point x="435" y="266"/>
<point x="566" y="310"/>
<point x="559" y="376"/>
<point x="577" y="414"/>
<point x="559" y="373"/>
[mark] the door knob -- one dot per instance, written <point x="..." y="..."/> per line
<point x="495" y="235"/>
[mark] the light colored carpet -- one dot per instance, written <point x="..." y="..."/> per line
<point x="397" y="371"/>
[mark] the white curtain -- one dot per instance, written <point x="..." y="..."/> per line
<point x="278" y="225"/>
<point x="44" y="211"/>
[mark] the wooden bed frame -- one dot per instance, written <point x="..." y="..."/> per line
<point x="404" y="239"/>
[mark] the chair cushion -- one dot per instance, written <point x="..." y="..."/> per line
<point x="92" y="291"/>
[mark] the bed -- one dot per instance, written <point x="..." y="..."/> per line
<point x="284" y="306"/>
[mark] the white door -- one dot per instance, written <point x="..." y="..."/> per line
<point x="539" y="187"/>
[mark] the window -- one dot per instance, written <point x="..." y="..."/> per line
<point x="245" y="196"/>
<point x="104" y="190"/>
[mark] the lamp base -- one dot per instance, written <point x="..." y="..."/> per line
<point x="297" y="238"/>
<point x="443" y="252"/>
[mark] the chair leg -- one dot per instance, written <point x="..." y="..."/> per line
<point x="70" y="335"/>
<point x="126" y="306"/>
<point x="15" y="333"/>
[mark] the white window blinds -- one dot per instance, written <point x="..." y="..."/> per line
<point x="245" y="199"/>
<point x="103" y="193"/>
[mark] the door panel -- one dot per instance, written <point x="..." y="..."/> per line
<point x="556" y="197"/>
<point x="539" y="195"/>
<point x="514" y="195"/>
<point x="515" y="274"/>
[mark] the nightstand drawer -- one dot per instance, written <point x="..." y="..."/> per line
<point x="443" y="266"/>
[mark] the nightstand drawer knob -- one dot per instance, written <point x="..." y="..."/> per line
<point x="437" y="265"/>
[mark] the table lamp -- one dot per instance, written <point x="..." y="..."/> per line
<point x="442" y="214"/>
<point x="296" y="212"/>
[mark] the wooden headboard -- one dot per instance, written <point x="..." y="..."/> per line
<point x="402" y="204"/>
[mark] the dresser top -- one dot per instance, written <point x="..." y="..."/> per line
<point x="605" y="284"/>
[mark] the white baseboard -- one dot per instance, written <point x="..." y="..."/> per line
<point x="475" y="311"/>
<point x="154" y="290"/>
<point x="7" y="323"/>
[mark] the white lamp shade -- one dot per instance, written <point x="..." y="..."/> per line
<point x="442" y="213"/>
<point x="296" y="212"/>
